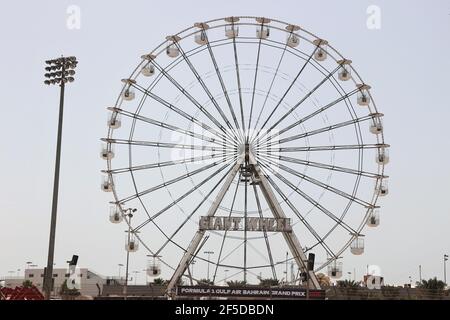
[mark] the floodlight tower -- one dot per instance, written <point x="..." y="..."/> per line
<point x="58" y="71"/>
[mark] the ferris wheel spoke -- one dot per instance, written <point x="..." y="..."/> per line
<point x="206" y="89"/>
<point x="172" y="181"/>
<point x="329" y="148"/>
<point x="258" y="252"/>
<point x="326" y="166"/>
<point x="153" y="217"/>
<point x="195" y="210"/>
<point x="268" y="92"/>
<point x="192" y="99"/>
<point x="308" y="117"/>
<point x="164" y="164"/>
<point x="329" y="75"/>
<point x="254" y="84"/>
<point x="155" y="144"/>
<point x="266" y="239"/>
<point x="226" y="231"/>
<point x="309" y="199"/>
<point x="238" y="79"/>
<point x="302" y="219"/>
<point x="168" y="126"/>
<point x="184" y="114"/>
<point x="245" y="228"/>
<point x="231" y="252"/>
<point x="232" y="275"/>
<point x="224" y="89"/>
<point x="290" y="87"/>
<point x="322" y="185"/>
<point x="322" y="130"/>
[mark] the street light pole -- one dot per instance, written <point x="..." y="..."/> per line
<point x="445" y="268"/>
<point x="226" y="275"/>
<point x="63" y="72"/>
<point x="287" y="257"/>
<point x="128" y="256"/>
<point x="129" y="215"/>
<point x="192" y="268"/>
<point x="135" y="276"/>
<point x="420" y="273"/>
<point x="208" y="253"/>
<point x="120" y="268"/>
<point x="146" y="275"/>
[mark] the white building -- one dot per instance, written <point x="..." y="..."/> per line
<point x="88" y="282"/>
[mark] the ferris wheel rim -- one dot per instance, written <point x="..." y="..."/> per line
<point x="380" y="138"/>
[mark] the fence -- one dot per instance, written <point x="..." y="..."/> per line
<point x="385" y="293"/>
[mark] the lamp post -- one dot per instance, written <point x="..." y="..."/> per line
<point x="226" y="275"/>
<point x="445" y="268"/>
<point x="146" y="275"/>
<point x="420" y="273"/>
<point x="286" y="272"/>
<point x="192" y="268"/>
<point x="120" y="268"/>
<point x="209" y="253"/>
<point x="59" y="71"/>
<point x="135" y="276"/>
<point x="128" y="215"/>
<point x="27" y="266"/>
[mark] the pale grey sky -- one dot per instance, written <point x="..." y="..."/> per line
<point x="405" y="61"/>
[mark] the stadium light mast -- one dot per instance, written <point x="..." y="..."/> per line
<point x="58" y="72"/>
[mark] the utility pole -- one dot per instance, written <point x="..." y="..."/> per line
<point x="59" y="71"/>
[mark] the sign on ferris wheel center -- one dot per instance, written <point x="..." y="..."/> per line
<point x="245" y="224"/>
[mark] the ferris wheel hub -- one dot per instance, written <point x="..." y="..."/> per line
<point x="245" y="150"/>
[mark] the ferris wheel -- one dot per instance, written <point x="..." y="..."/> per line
<point x="245" y="144"/>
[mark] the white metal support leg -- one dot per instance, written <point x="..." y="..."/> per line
<point x="184" y="263"/>
<point x="290" y="237"/>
